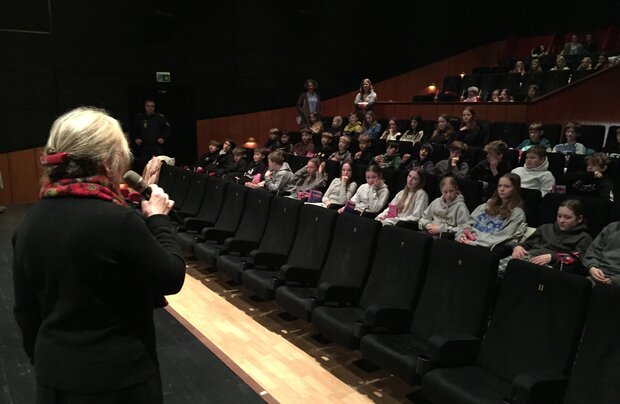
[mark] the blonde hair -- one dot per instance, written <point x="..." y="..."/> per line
<point x="93" y="141"/>
<point x="408" y="196"/>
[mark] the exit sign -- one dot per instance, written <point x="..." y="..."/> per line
<point x="163" y="77"/>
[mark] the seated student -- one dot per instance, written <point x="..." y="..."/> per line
<point x="602" y="259"/>
<point x="408" y="204"/>
<point x="278" y="177"/>
<point x="315" y="125"/>
<point x="258" y="166"/>
<point x="224" y="159"/>
<point x="533" y="92"/>
<point x="506" y="96"/>
<point x="326" y="149"/>
<point x="310" y="177"/>
<point x="238" y="166"/>
<point x="364" y="155"/>
<point x="391" y="158"/>
<point x="472" y="95"/>
<point x="536" y="138"/>
<point x="341" y="189"/>
<point x="415" y="133"/>
<point x="571" y="146"/>
<point x="495" y="95"/>
<point x="595" y="181"/>
<point x="208" y="160"/>
<point x="490" y="170"/>
<point x="305" y="147"/>
<point x="273" y="141"/>
<point x="455" y="165"/>
<point x="444" y="133"/>
<point x="471" y="132"/>
<point x="424" y="159"/>
<point x="372" y="128"/>
<point x="498" y="221"/>
<point x="343" y="152"/>
<point x="535" y="173"/>
<point x="354" y="127"/>
<point x="336" y="127"/>
<point x="391" y="133"/>
<point x="552" y="243"/>
<point x="285" y="143"/>
<point x="372" y="196"/>
<point x="446" y="214"/>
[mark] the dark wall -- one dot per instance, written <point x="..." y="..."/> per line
<point x="235" y="56"/>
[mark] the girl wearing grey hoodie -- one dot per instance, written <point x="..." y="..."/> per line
<point x="446" y="214"/>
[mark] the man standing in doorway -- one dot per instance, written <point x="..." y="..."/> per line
<point x="150" y="132"/>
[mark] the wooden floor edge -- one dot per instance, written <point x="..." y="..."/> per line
<point x="223" y="357"/>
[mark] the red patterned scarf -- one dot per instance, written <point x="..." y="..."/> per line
<point x="97" y="186"/>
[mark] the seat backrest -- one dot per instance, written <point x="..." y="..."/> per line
<point x="167" y="175"/>
<point x="596" y="368"/>
<point x="314" y="237"/>
<point x="537" y="322"/>
<point x="451" y="84"/>
<point x="255" y="215"/>
<point x="179" y="191"/>
<point x="531" y="205"/>
<point x="554" y="79"/>
<point x="212" y="200"/>
<point x="592" y="136"/>
<point x="557" y="162"/>
<point x="456" y="296"/>
<point x="281" y="226"/>
<point x="195" y="194"/>
<point x="597" y="210"/>
<point x="467" y="81"/>
<point x="576" y="163"/>
<point x="232" y="209"/>
<point x="398" y="270"/>
<point x="611" y="141"/>
<point x="354" y="241"/>
<point x="472" y="192"/>
<point x="509" y="132"/>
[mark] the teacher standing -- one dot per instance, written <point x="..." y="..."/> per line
<point x="308" y="103"/>
<point x="88" y="271"/>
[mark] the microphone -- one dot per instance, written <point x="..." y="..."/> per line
<point x="135" y="181"/>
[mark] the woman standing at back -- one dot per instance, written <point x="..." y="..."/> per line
<point x="365" y="99"/>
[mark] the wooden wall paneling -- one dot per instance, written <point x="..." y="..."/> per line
<point x="204" y="134"/>
<point x="220" y="128"/>
<point x="265" y="122"/>
<point x="279" y="119"/>
<point x="428" y="111"/>
<point x="6" y="197"/>
<point x="329" y="107"/>
<point x="403" y="111"/>
<point x="289" y="119"/>
<point x="250" y="127"/>
<point x="493" y="112"/>
<point x="236" y="129"/>
<point x="37" y="152"/>
<point x="515" y="113"/>
<point x="345" y="103"/>
<point x="24" y="180"/>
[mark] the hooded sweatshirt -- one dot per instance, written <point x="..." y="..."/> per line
<point x="444" y="167"/>
<point x="604" y="252"/>
<point x="549" y="239"/>
<point x="413" y="213"/>
<point x="371" y="199"/>
<point x="338" y="192"/>
<point x="585" y="183"/>
<point x="538" y="178"/>
<point x="301" y="181"/>
<point x="279" y="179"/>
<point x="493" y="230"/>
<point x="448" y="216"/>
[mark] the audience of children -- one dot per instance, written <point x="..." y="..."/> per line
<point x="446" y="214"/>
<point x="341" y="189"/>
<point x="343" y="152"/>
<point x="326" y="149"/>
<point x="444" y="133"/>
<point x="472" y="95"/>
<point x="500" y="220"/>
<point x="594" y="181"/>
<point x="602" y="259"/>
<point x="285" y="145"/>
<point x="455" y="165"/>
<point x="391" y="158"/>
<point x="571" y="132"/>
<point x="408" y="204"/>
<point x="415" y="133"/>
<point x="535" y="138"/>
<point x="424" y="159"/>
<point x="471" y="133"/>
<point x="354" y="127"/>
<point x="336" y="127"/>
<point x="391" y="133"/>
<point x="372" y="128"/>
<point x="278" y="177"/>
<point x="560" y="245"/>
<point x="255" y="171"/>
<point x="305" y="147"/>
<point x="310" y="177"/>
<point x="535" y="173"/>
<point x="490" y="170"/>
<point x="372" y="196"/>
<point x="208" y="160"/>
<point x="238" y="166"/>
<point x="273" y="140"/>
<point x="364" y="155"/>
<point x="315" y="125"/>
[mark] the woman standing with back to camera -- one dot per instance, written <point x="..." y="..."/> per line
<point x="88" y="271"/>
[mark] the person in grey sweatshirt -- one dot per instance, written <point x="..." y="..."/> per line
<point x="372" y="196"/>
<point x="602" y="260"/>
<point x="498" y="221"/>
<point x="408" y="204"/>
<point x="341" y="189"/>
<point x="454" y="165"/>
<point x="446" y="214"/>
<point x="279" y="175"/>
<point x="535" y="173"/>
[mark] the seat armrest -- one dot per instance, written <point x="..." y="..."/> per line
<point x="243" y="247"/>
<point x="539" y="387"/>
<point x="195" y="224"/>
<point x="454" y="349"/>
<point x="217" y="235"/>
<point x="338" y="293"/>
<point x="289" y="273"/>
<point x="266" y="259"/>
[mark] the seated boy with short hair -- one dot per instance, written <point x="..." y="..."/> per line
<point x="535" y="173"/>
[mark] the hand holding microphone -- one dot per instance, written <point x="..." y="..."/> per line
<point x="156" y="201"/>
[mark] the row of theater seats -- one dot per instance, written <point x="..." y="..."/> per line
<point x="415" y="305"/>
